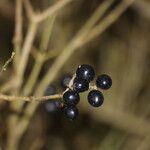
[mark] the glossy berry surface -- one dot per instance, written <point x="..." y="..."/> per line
<point x="80" y="85"/>
<point x="71" y="98"/>
<point x="104" y="81"/>
<point x="65" y="81"/>
<point x="95" y="98"/>
<point x="85" y="72"/>
<point x="71" y="112"/>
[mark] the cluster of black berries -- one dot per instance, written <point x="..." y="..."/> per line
<point x="81" y="82"/>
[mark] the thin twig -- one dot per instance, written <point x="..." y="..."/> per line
<point x="8" y="62"/>
<point x="29" y="99"/>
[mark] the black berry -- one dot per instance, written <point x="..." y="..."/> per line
<point x="52" y="106"/>
<point x="71" y="98"/>
<point x="71" y="112"/>
<point x="104" y="81"/>
<point x="80" y="85"/>
<point x="85" y="72"/>
<point x="95" y="98"/>
<point x="65" y="81"/>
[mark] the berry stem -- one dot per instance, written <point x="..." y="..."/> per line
<point x="70" y="85"/>
<point x="30" y="98"/>
<point x="71" y="81"/>
<point x="92" y="87"/>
